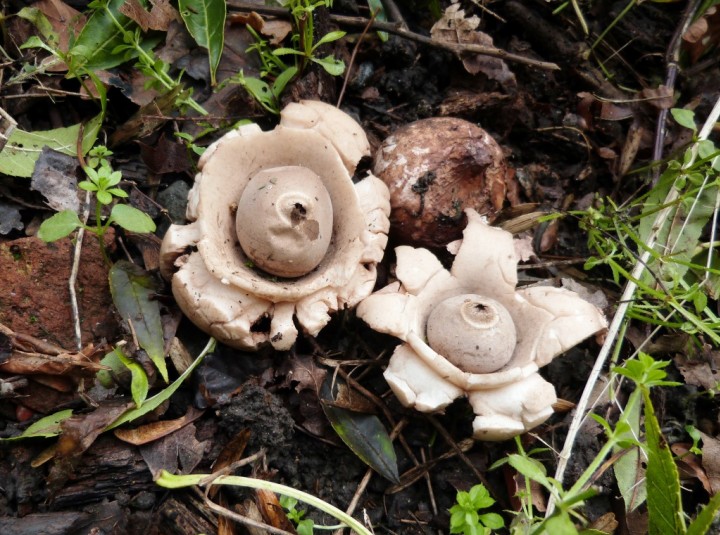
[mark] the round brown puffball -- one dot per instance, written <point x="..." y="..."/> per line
<point x="436" y="168"/>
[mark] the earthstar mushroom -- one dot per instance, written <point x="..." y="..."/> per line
<point x="280" y="236"/>
<point x="469" y="332"/>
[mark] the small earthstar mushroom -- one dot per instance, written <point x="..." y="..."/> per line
<point x="469" y="332"/>
<point x="437" y="168"/>
<point x="280" y="235"/>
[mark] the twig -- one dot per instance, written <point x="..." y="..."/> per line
<point x="352" y="59"/>
<point x="672" y="57"/>
<point x="458" y="49"/>
<point x="618" y="320"/>
<point x="78" y="249"/>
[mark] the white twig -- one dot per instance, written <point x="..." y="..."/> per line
<point x="74" y="273"/>
<point x="625" y="300"/>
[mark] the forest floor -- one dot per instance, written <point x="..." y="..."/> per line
<point x="580" y="117"/>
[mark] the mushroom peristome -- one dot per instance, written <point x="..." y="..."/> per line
<point x="262" y="247"/>
<point x="507" y="394"/>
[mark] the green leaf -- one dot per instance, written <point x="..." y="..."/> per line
<point x="132" y="219"/>
<point x="705" y="518"/>
<point x="332" y="65"/>
<point x="161" y="397"/>
<point x="560" y="524"/>
<point x="531" y="469"/>
<point x="629" y="473"/>
<point x="42" y="24"/>
<point x="664" y="503"/>
<point x="139" y="384"/>
<point x="59" y="225"/>
<point x="329" y="38"/>
<point x="24" y="148"/>
<point x="376" y="6"/>
<point x="684" y="118"/>
<point x="205" y="20"/>
<point x="284" y="51"/>
<point x="133" y="292"/>
<point x="492" y="520"/>
<point x="364" y="434"/>
<point x="49" y="426"/>
<point x="282" y="80"/>
<point x="94" y="47"/>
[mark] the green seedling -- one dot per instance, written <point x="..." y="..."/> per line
<point x="275" y="73"/>
<point x="103" y="181"/>
<point x="304" y="526"/>
<point x="465" y="516"/>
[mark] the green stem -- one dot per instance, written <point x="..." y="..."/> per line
<point x="162" y="77"/>
<point x="100" y="232"/>
<point x="170" y="481"/>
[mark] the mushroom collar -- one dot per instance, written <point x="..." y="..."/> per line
<point x="280" y="234"/>
<point x="469" y="332"/>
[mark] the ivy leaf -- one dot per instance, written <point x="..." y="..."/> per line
<point x="132" y="219"/>
<point x="58" y="226"/>
<point x="205" y="20"/>
<point x="133" y="292"/>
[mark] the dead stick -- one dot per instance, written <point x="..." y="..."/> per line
<point x="459" y="49"/>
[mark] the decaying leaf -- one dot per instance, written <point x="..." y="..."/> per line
<point x="277" y="30"/>
<point x="271" y="510"/>
<point x="702" y="370"/>
<point x="24" y="148"/>
<point x="55" y="176"/>
<point x="364" y="434"/>
<point x="133" y="292"/>
<point x="10" y="218"/>
<point x="454" y="27"/>
<point x="179" y="452"/>
<point x="81" y="430"/>
<point x="711" y="460"/>
<point x="158" y="18"/>
<point x="156" y="430"/>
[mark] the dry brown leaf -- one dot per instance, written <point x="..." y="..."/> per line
<point x="689" y="465"/>
<point x="156" y="430"/>
<point x="65" y="20"/>
<point x="454" y="27"/>
<point x="711" y="460"/>
<point x="698" y="372"/>
<point x="271" y="510"/>
<point x="277" y="30"/>
<point x="158" y="18"/>
<point x="178" y="453"/>
<point x="81" y="430"/>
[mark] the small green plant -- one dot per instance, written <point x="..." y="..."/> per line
<point x="275" y="73"/>
<point x="170" y="481"/>
<point x="103" y="181"/>
<point x="465" y="516"/>
<point x="304" y="526"/>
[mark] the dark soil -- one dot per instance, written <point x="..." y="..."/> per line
<point x="568" y="135"/>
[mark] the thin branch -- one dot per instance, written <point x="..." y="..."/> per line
<point x="672" y="58"/>
<point x="459" y="49"/>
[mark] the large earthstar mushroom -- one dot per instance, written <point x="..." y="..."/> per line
<point x="279" y="234"/>
<point x="470" y="332"/>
